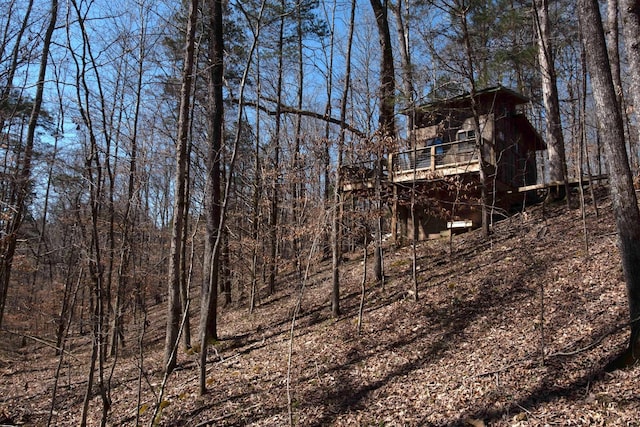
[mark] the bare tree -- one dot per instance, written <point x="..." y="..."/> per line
<point x="96" y="140"/>
<point x="131" y="205"/>
<point x="275" y="185"/>
<point x="625" y="205"/>
<point x="297" y="181"/>
<point x="255" y="28"/>
<point x="14" y="62"/>
<point x="336" y="239"/>
<point x="401" y="12"/>
<point x="215" y="118"/>
<point x="174" y="305"/>
<point x="631" y="30"/>
<point x="17" y="204"/>
<point x="256" y="192"/>
<point x="387" y="127"/>
<point x="470" y="74"/>
<point x="326" y="148"/>
<point x="555" y="139"/>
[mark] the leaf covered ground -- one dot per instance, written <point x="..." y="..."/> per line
<point x="514" y="330"/>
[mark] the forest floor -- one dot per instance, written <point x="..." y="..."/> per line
<point x="468" y="352"/>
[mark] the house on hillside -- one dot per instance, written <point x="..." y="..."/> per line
<point x="441" y="170"/>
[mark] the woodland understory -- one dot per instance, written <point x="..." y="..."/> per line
<point x="513" y="330"/>
<point x="181" y="245"/>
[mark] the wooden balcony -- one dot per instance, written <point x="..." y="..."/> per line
<point x="452" y="158"/>
<point x="421" y="164"/>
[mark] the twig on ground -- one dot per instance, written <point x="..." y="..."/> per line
<point x="41" y="341"/>
<point x="594" y="344"/>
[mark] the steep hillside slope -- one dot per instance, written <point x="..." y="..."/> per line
<point x="470" y="350"/>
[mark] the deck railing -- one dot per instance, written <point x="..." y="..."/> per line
<point x="446" y="158"/>
<point x="436" y="156"/>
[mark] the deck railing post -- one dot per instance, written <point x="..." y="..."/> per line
<point x="433" y="157"/>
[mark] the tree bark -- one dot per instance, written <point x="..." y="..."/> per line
<point x="336" y="239"/>
<point x="613" y="42"/>
<point x="327" y="246"/>
<point x="8" y="243"/>
<point x="215" y="118"/>
<point x="297" y="186"/>
<point x="555" y="139"/>
<point x="174" y="309"/>
<point x="257" y="182"/>
<point x="387" y="71"/>
<point x="402" y="29"/>
<point x="387" y="128"/>
<point x="630" y="12"/>
<point x="275" y="188"/>
<point x="479" y="140"/>
<point x="611" y="130"/>
<point x="15" y="59"/>
<point x="9" y="240"/>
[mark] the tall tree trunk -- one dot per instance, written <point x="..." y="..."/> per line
<point x="257" y="182"/>
<point x="404" y="42"/>
<point x="215" y="117"/>
<point x="9" y="241"/>
<point x="174" y="309"/>
<point x="255" y="201"/>
<point x="297" y="186"/>
<point x="185" y="266"/>
<point x="336" y="239"/>
<point x="612" y="34"/>
<point x="125" y="275"/>
<point x="273" y="214"/>
<point x="479" y="140"/>
<point x="387" y="126"/>
<point x="625" y="204"/>
<point x="326" y="156"/>
<point x="630" y="12"/>
<point x="613" y="44"/>
<point x="15" y="59"/>
<point x="402" y="28"/>
<point x="226" y="268"/>
<point x="555" y="139"/>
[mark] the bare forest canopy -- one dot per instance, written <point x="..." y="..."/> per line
<point x="165" y="164"/>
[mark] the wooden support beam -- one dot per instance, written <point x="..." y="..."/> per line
<point x="573" y="182"/>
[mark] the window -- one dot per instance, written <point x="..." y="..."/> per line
<point x="464" y="135"/>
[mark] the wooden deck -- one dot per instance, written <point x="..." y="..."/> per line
<point x="422" y="164"/>
<point x="428" y="174"/>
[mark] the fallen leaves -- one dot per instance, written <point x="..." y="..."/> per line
<point x="467" y="353"/>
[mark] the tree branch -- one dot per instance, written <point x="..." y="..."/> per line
<point x="291" y="110"/>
